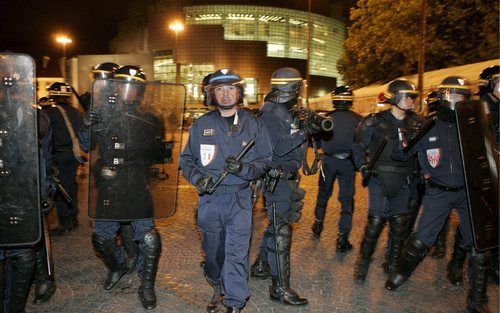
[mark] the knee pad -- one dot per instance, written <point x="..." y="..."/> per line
<point x="399" y="225"/>
<point x="283" y="237"/>
<point x="152" y="240"/>
<point x="374" y="226"/>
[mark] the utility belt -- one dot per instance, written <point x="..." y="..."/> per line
<point x="429" y="183"/>
<point x="342" y="156"/>
<point x="231" y="188"/>
<point x="275" y="174"/>
<point x="393" y="169"/>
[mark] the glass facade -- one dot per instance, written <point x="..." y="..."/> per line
<point x="285" y="31"/>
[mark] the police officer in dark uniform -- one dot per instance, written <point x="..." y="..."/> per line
<point x="114" y="183"/>
<point x="284" y="202"/>
<point x="63" y="150"/>
<point x="489" y="91"/>
<point x="388" y="180"/>
<point x="22" y="263"/>
<point x="337" y="163"/>
<point x="105" y="70"/>
<point x="101" y="70"/>
<point x="440" y="160"/>
<point x="225" y="212"/>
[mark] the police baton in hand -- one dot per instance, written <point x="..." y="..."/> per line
<point x="373" y="160"/>
<point x="240" y="156"/>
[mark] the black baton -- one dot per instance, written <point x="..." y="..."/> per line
<point x="240" y="156"/>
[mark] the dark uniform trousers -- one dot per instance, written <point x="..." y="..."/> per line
<point x="383" y="206"/>
<point x="225" y="220"/>
<point x="343" y="169"/>
<point x="67" y="169"/>
<point x="109" y="229"/>
<point x="436" y="206"/>
<point x="281" y="198"/>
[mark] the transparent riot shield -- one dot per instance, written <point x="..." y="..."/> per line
<point x="134" y="150"/>
<point x="19" y="165"/>
<point x="480" y="159"/>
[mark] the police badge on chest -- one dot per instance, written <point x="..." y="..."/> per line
<point x="208" y="132"/>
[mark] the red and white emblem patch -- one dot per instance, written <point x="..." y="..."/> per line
<point x="207" y="154"/>
<point x="433" y="157"/>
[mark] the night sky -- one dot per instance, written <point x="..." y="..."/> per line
<point x="30" y="26"/>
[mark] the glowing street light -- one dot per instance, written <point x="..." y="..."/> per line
<point x="176" y="27"/>
<point x="64" y="40"/>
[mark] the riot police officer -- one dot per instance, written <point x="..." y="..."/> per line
<point x="225" y="211"/>
<point x="440" y="159"/>
<point x="282" y="195"/>
<point x="24" y="163"/>
<point x="101" y="70"/>
<point x="337" y="163"/>
<point x="489" y="91"/>
<point x="387" y="180"/>
<point x="124" y="143"/>
<point x="65" y="122"/>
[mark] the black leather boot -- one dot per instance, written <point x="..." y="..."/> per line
<point x="317" y="228"/>
<point x="233" y="310"/>
<point x="260" y="268"/>
<point x="455" y="273"/>
<point x="130" y="246"/>
<point x="398" y="234"/>
<point x="152" y="248"/>
<point x="439" y="248"/>
<point x="215" y="304"/>
<point x="22" y="267"/>
<point x="44" y="284"/>
<point x="343" y="243"/>
<point x="280" y="290"/>
<point x="413" y="252"/>
<point x="372" y="232"/>
<point x="477" y="298"/>
<point x="105" y="248"/>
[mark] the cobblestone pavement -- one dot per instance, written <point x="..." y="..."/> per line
<point x="318" y="273"/>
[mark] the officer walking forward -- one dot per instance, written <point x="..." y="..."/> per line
<point x="337" y="163"/>
<point x="440" y="158"/>
<point x="387" y="180"/>
<point x="225" y="210"/>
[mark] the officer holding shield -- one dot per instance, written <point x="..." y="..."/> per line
<point x="440" y="159"/>
<point x="123" y="135"/>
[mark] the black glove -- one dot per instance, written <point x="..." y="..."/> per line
<point x="365" y="172"/>
<point x="204" y="184"/>
<point x="47" y="205"/>
<point x="233" y="166"/>
<point x="53" y="174"/>
<point x="92" y="117"/>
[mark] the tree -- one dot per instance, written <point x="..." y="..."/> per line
<point x="383" y="40"/>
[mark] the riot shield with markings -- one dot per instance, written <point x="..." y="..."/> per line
<point x="134" y="150"/>
<point x="480" y="159"/>
<point x="20" y="222"/>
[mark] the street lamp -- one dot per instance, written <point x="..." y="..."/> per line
<point x="176" y="27"/>
<point x="64" y="40"/>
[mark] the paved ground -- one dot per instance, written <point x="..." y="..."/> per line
<point x="318" y="273"/>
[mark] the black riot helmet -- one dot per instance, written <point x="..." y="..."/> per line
<point x="488" y="79"/>
<point x="225" y="77"/>
<point x="133" y="90"/>
<point x="207" y="99"/>
<point x="432" y="100"/>
<point x="342" y="97"/>
<point x="60" y="92"/>
<point x="104" y="70"/>
<point x="397" y="89"/>
<point x="286" y="84"/>
<point x="453" y="89"/>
